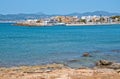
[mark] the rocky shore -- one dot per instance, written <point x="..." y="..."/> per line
<point x="38" y="24"/>
<point x="104" y="70"/>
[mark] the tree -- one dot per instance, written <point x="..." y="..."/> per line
<point x="83" y="20"/>
<point x="38" y="21"/>
<point x="116" y="17"/>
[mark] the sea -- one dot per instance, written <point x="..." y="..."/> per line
<point x="29" y="46"/>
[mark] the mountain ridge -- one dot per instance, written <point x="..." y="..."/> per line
<point x="24" y="16"/>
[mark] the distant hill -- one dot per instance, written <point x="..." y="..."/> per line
<point x="98" y="13"/>
<point x="39" y="15"/>
<point x="21" y="16"/>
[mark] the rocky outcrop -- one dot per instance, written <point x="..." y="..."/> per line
<point x="103" y="63"/>
<point x="107" y="64"/>
<point x="59" y="71"/>
<point x="65" y="73"/>
<point x="115" y="66"/>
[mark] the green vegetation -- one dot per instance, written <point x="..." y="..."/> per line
<point x="38" y="21"/>
<point x="83" y="20"/>
<point x="116" y="18"/>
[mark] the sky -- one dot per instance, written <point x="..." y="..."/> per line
<point x="58" y="6"/>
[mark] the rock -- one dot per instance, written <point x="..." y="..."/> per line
<point x="115" y="66"/>
<point x="118" y="70"/>
<point x="108" y="64"/>
<point x="103" y="62"/>
<point x="74" y="60"/>
<point x="48" y="70"/>
<point x="117" y="51"/>
<point x="86" y="54"/>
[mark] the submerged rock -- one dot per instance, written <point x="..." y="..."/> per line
<point x="74" y="60"/>
<point x="117" y="51"/>
<point x="97" y="51"/>
<point x="86" y="54"/>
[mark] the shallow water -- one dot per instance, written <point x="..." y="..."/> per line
<point x="42" y="45"/>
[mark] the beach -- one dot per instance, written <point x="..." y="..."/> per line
<point x="57" y="71"/>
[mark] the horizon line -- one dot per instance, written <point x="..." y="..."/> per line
<point x="60" y="13"/>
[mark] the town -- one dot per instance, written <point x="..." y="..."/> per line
<point x="71" y="21"/>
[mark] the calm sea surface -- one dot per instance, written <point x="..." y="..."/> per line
<point x="43" y="45"/>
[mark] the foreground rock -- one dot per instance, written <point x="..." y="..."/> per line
<point x="103" y="63"/>
<point x="107" y="64"/>
<point x="56" y="71"/>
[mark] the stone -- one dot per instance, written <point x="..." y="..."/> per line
<point x="86" y="54"/>
<point x="118" y="70"/>
<point x="115" y="66"/>
<point x="74" y="60"/>
<point x="108" y="64"/>
<point x="105" y="62"/>
<point x="117" y="51"/>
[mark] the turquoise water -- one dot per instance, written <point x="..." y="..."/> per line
<point x="42" y="45"/>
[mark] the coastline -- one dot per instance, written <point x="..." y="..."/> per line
<point x="37" y="25"/>
<point x="57" y="71"/>
<point x="92" y="24"/>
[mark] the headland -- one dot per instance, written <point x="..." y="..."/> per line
<point x="71" y="21"/>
